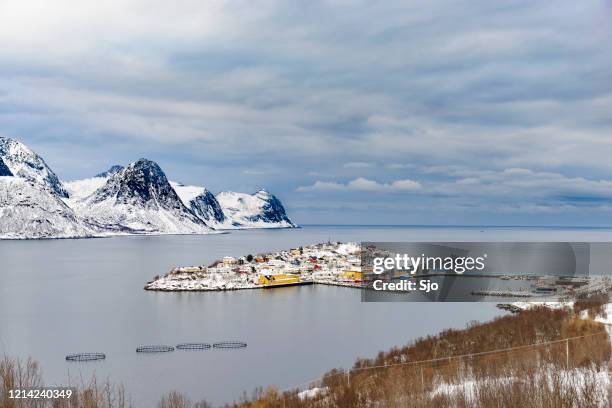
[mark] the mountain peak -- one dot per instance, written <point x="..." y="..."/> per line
<point x="25" y="163"/>
<point x="142" y="181"/>
<point x="263" y="194"/>
<point x="142" y="162"/>
<point x="200" y="201"/>
<point x="139" y="198"/>
<point x="114" y="169"/>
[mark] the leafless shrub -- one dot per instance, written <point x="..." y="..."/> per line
<point x="593" y="304"/>
<point x="534" y="370"/>
<point x="174" y="400"/>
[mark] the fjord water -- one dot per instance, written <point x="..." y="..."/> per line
<point x="64" y="296"/>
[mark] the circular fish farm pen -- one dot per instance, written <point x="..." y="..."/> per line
<point x="85" y="357"/>
<point x="193" y="346"/>
<point x="229" y="345"/>
<point x="154" y="349"/>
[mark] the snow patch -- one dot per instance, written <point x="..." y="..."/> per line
<point x="187" y="193"/>
<point x="312" y="393"/>
<point x="28" y="211"/>
<point x="80" y="189"/>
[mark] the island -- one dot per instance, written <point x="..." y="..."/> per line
<point x="329" y="263"/>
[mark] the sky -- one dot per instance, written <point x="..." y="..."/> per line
<point x="368" y="112"/>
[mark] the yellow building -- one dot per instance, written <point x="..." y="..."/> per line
<point x="352" y="275"/>
<point x="278" y="280"/>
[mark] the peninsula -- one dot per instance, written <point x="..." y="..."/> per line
<point x="331" y="263"/>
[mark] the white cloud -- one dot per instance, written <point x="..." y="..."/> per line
<point x="516" y="189"/>
<point x="363" y="184"/>
<point x="399" y="166"/>
<point x="322" y="186"/>
<point x="345" y="85"/>
<point x="358" y="165"/>
<point x="512" y="190"/>
<point x="405" y="185"/>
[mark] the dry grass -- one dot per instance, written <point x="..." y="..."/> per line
<point x="593" y="304"/>
<point x="563" y="374"/>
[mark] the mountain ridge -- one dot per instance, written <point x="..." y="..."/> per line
<point x="139" y="199"/>
<point x="114" y="169"/>
<point x="135" y="199"/>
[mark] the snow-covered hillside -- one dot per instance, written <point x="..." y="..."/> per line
<point x="202" y="202"/>
<point x="137" y="199"/>
<point x="23" y="162"/>
<point x="80" y="189"/>
<point x="28" y="211"/>
<point x="259" y="210"/>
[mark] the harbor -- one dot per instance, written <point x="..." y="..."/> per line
<point x="340" y="264"/>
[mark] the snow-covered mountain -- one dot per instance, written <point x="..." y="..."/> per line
<point x="202" y="202"/>
<point x="23" y="162"/>
<point x="137" y="199"/>
<point x="229" y="210"/>
<point x="259" y="210"/>
<point x="29" y="211"/>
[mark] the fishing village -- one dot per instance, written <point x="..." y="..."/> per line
<point x="330" y="263"/>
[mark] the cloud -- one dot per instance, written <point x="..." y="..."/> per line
<point x="363" y="184"/>
<point x="399" y="166"/>
<point x="512" y="190"/>
<point x="405" y="185"/>
<point x="322" y="186"/>
<point x="520" y="188"/>
<point x="458" y="92"/>
<point x="358" y="165"/>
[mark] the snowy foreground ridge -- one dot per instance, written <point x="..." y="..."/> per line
<point x="135" y="199"/>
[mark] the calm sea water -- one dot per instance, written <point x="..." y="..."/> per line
<point x="64" y="296"/>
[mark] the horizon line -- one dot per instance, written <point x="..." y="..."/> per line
<point x="454" y="226"/>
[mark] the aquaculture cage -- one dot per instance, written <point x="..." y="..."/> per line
<point x="85" y="357"/>
<point x="229" y="345"/>
<point x="193" y="346"/>
<point x="154" y="349"/>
